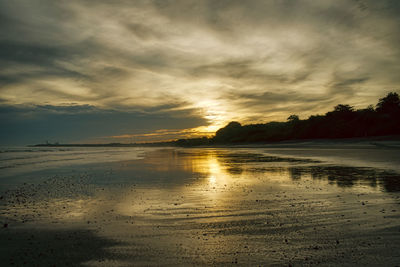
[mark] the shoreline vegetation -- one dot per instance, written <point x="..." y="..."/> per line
<point x="343" y="123"/>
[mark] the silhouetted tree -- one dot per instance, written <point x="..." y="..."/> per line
<point x="342" y="122"/>
<point x="229" y="132"/>
<point x="293" y="118"/>
<point x="389" y="104"/>
<point x="370" y="108"/>
<point x="193" y="141"/>
<point x="343" y="108"/>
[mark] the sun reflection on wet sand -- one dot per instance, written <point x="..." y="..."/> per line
<point x="219" y="206"/>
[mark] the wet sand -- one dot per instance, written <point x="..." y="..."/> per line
<point x="224" y="206"/>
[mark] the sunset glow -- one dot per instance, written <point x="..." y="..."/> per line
<point x="166" y="70"/>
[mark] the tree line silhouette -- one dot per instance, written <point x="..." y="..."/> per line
<point x="342" y="122"/>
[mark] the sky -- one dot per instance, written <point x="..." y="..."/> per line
<point x="148" y="70"/>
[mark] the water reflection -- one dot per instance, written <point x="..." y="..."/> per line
<point x="209" y="207"/>
<point x="211" y="174"/>
<point x="222" y="163"/>
<point x="344" y="176"/>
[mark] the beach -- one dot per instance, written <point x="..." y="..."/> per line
<point x="284" y="205"/>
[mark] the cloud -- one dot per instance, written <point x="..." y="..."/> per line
<point x="85" y="123"/>
<point x="257" y="61"/>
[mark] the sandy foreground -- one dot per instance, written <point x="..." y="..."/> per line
<point x="335" y="206"/>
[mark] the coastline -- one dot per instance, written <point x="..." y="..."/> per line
<point x="373" y="140"/>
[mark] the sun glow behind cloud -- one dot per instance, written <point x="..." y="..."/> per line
<point x="210" y="60"/>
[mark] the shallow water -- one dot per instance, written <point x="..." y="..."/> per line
<point x="175" y="206"/>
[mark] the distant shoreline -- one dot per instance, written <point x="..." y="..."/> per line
<point x="343" y="124"/>
<point x="382" y="140"/>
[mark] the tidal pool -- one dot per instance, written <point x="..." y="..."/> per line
<point x="203" y="206"/>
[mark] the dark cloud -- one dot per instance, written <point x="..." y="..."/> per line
<point x="143" y="31"/>
<point x="30" y="54"/>
<point x="246" y="70"/>
<point x="304" y="104"/>
<point x="76" y="123"/>
<point x="345" y="85"/>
